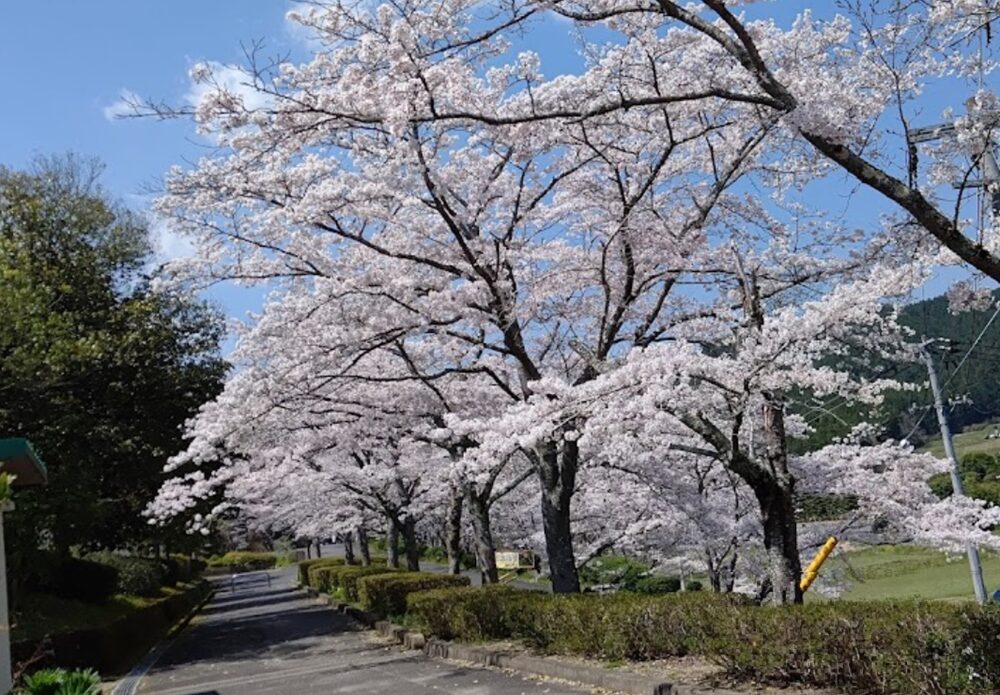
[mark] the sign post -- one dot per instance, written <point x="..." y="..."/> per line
<point x="19" y="460"/>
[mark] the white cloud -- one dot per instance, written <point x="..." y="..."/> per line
<point x="209" y="76"/>
<point x="296" y="27"/>
<point x="123" y="106"/>
<point x="168" y="245"/>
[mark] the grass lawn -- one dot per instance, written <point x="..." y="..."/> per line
<point x="898" y="572"/>
<point x="972" y="441"/>
<point x="37" y="615"/>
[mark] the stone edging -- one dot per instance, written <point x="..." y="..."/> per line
<point x="129" y="684"/>
<point x="590" y="676"/>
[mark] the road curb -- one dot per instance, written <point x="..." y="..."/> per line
<point x="591" y="676"/>
<point x="364" y="617"/>
<point x="588" y="676"/>
<point x="130" y="683"/>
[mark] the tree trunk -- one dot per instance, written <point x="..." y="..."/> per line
<point x="482" y="528"/>
<point x="713" y="577"/>
<point x="781" y="543"/>
<point x="319" y="551"/>
<point x="776" y="496"/>
<point x="722" y="569"/>
<point x="362" y="537"/>
<point x="557" y="475"/>
<point x="392" y="544"/>
<point x="348" y="549"/>
<point x="454" y="535"/>
<point x="410" y="544"/>
<point x="730" y="580"/>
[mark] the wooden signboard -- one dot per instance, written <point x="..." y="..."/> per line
<point x="515" y="559"/>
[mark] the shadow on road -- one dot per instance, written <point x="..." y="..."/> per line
<point x="248" y="601"/>
<point x="282" y="623"/>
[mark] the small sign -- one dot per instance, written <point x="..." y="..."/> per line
<point x="515" y="559"/>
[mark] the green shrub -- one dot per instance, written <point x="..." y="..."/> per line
<point x="613" y="626"/>
<point x="885" y="647"/>
<point x="306" y="565"/>
<point x="978" y="635"/>
<point x="438" y="554"/>
<point x="463" y="613"/>
<point x="284" y="559"/>
<point x="198" y="565"/>
<point x="347" y="578"/>
<point x="82" y="579"/>
<point x="172" y="571"/>
<point x="894" y="648"/>
<point x="656" y="584"/>
<point x="317" y="576"/>
<point x="46" y="681"/>
<point x="244" y="561"/>
<point x="385" y="594"/>
<point x="693" y="585"/>
<point x="618" y="570"/>
<point x="86" y="682"/>
<point x="186" y="568"/>
<point x="137" y="576"/>
<point x="57" y="681"/>
<point x="322" y="577"/>
<point x="434" y="553"/>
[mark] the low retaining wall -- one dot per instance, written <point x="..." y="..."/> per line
<point x="113" y="648"/>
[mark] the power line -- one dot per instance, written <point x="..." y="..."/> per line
<point x="974" y="344"/>
<point x="954" y="373"/>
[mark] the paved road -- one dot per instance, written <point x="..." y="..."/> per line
<point x="275" y="640"/>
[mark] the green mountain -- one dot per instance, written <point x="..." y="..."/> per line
<point x="972" y="388"/>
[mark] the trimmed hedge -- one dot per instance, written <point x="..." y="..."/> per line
<point x="657" y="584"/>
<point x="385" y="594"/>
<point x="307" y="565"/>
<point x="81" y="579"/>
<point x="872" y="647"/>
<point x="245" y="561"/>
<point x="315" y="578"/>
<point x="113" y="648"/>
<point x="464" y="613"/>
<point x="138" y="576"/>
<point x="183" y="568"/>
<point x="347" y="578"/>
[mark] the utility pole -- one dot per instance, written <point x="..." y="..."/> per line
<point x="975" y="568"/>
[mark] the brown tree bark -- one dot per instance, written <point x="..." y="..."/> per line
<point x="348" y="548"/>
<point x="362" y="537"/>
<point x="557" y="474"/>
<point x="392" y="544"/>
<point x="453" y="539"/>
<point x="410" y="546"/>
<point x="482" y="528"/>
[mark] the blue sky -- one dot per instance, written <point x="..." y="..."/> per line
<point x="67" y="61"/>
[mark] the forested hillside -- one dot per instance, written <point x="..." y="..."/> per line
<point x="973" y="390"/>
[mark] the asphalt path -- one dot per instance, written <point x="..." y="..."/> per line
<point x="270" y="638"/>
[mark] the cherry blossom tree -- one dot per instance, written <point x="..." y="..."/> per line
<point x="476" y="238"/>
<point x="607" y="279"/>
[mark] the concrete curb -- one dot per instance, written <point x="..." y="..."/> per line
<point x="589" y="676"/>
<point x="364" y="617"/>
<point x="129" y="684"/>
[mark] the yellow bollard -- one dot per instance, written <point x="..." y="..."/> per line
<point x="812" y="571"/>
